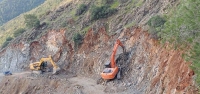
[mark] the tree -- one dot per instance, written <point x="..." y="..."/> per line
<point x="31" y="21"/>
<point x="102" y="12"/>
<point x="9" y="38"/>
<point x="156" y="24"/>
<point x="78" y="39"/>
<point x="156" y="21"/>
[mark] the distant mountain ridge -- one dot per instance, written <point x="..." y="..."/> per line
<point x="9" y="9"/>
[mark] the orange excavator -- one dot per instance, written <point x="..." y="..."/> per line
<point x="112" y="69"/>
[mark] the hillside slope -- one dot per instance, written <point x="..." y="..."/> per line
<point x="13" y="8"/>
<point x="148" y="67"/>
<point x="11" y="26"/>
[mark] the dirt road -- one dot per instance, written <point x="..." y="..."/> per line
<point x="39" y="84"/>
<point x="87" y="85"/>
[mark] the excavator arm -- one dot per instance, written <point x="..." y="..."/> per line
<point x="117" y="44"/>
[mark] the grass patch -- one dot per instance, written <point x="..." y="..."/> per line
<point x="85" y="30"/>
<point x="129" y="24"/>
<point x="73" y="12"/>
<point x="139" y="3"/>
<point x="73" y="15"/>
<point x="130" y="6"/>
<point x="5" y="44"/>
<point x="115" y="4"/>
<point x="98" y="2"/>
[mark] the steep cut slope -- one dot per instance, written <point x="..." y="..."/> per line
<point x="149" y="68"/>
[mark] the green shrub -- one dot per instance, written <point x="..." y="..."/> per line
<point x="77" y="38"/>
<point x="156" y="21"/>
<point x="156" y="24"/>
<point x="9" y="38"/>
<point x="101" y="12"/>
<point x="19" y="32"/>
<point x="5" y="44"/>
<point x="31" y="21"/>
<point x="82" y="8"/>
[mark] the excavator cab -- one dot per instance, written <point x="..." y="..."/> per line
<point x="107" y="64"/>
<point x="112" y="70"/>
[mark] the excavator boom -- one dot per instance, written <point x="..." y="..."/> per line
<point x="117" y="44"/>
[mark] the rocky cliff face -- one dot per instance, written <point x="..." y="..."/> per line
<point x="148" y="67"/>
<point x="158" y="69"/>
<point x="15" y="57"/>
<point x="18" y="56"/>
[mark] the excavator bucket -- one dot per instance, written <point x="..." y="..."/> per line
<point x="55" y="70"/>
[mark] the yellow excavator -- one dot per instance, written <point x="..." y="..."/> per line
<point x="42" y="65"/>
